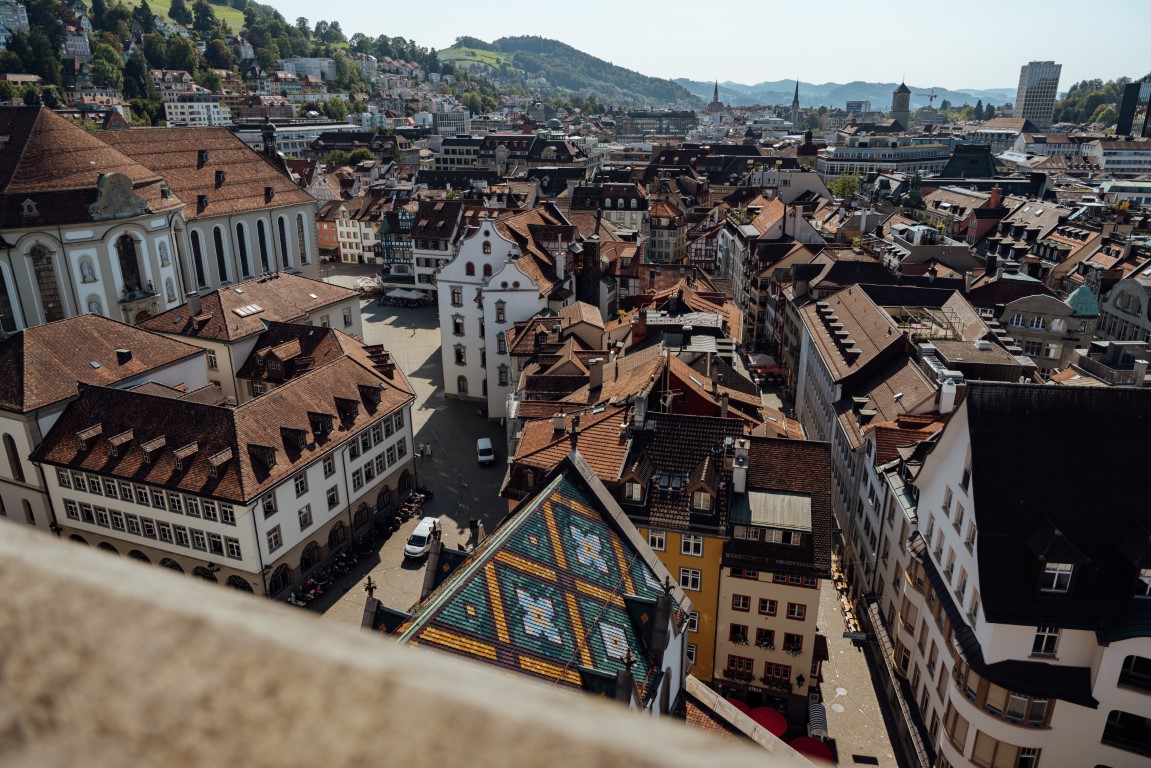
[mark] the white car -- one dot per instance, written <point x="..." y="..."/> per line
<point x="485" y="453"/>
<point x="421" y="539"/>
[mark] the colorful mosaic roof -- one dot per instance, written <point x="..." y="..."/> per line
<point x="560" y="591"/>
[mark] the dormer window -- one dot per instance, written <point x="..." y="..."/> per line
<point x="633" y="492"/>
<point x="701" y="500"/>
<point x="1056" y="577"/>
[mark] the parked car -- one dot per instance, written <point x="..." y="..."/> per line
<point x="485" y="453"/>
<point x="421" y="539"/>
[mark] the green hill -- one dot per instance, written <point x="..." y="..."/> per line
<point x="553" y="69"/>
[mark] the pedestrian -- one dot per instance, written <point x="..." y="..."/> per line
<point x="429" y="447"/>
<point x="413" y="329"/>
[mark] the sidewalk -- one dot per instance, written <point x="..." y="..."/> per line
<point x="854" y="716"/>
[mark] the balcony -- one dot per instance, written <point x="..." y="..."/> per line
<point x="1128" y="732"/>
<point x="182" y="673"/>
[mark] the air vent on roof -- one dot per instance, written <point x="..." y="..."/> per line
<point x="202" y="201"/>
<point x="202" y="158"/>
<point x="221" y="177"/>
<point x="269" y="194"/>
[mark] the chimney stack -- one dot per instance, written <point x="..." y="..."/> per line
<point x="194" y="305"/>
<point x="739" y="465"/>
<point x="1139" y="373"/>
<point x="124" y="356"/>
<point x="595" y="373"/>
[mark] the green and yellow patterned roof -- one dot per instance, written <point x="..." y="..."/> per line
<point x="560" y="591"/>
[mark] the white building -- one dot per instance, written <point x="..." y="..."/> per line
<point x="254" y="496"/>
<point x="1020" y="624"/>
<point x="123" y="223"/>
<point x="504" y="270"/>
<point x="196" y="108"/>
<point x="1121" y="157"/>
<point x="323" y="68"/>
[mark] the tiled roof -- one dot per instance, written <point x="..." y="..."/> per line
<point x="174" y="153"/>
<point x="582" y="312"/>
<point x="43" y="364"/>
<point x="892" y="435"/>
<point x="552" y="593"/>
<point x="298" y="348"/>
<point x="58" y="166"/>
<point x="795" y="467"/>
<point x="222" y="435"/>
<point x="282" y="296"/>
<point x="893" y="388"/>
<point x="1095" y="511"/>
<point x="678" y="446"/>
<point x="599" y="438"/>
<point x="871" y="330"/>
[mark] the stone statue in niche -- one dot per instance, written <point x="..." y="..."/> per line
<point x="116" y="199"/>
<point x="169" y="289"/>
<point x="164" y="259"/>
<point x="94" y="306"/>
<point x="87" y="273"/>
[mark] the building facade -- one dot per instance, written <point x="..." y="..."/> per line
<point x="1038" y="88"/>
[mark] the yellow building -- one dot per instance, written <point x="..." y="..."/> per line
<point x="695" y="560"/>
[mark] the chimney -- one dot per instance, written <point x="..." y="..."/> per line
<point x="931" y="273"/>
<point x="996" y="197"/>
<point x="639" y="416"/>
<point x="739" y="465"/>
<point x="595" y="373"/>
<point x="1139" y="373"/>
<point x="558" y="422"/>
<point x="992" y="262"/>
<point x="639" y="333"/>
<point x="193" y="300"/>
<point x="947" y="395"/>
<point x="724" y="402"/>
<point x="123" y="356"/>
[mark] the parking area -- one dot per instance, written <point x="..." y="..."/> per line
<point x="462" y="489"/>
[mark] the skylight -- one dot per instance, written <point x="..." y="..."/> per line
<point x="248" y="310"/>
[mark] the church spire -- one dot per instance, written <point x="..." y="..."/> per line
<point x="795" y="108"/>
<point x="795" y="100"/>
<point x="715" y="94"/>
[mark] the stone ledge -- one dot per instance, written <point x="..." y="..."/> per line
<point x="108" y="662"/>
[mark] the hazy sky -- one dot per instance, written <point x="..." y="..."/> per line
<point x="974" y="44"/>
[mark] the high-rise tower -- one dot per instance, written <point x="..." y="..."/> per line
<point x="1038" y="86"/>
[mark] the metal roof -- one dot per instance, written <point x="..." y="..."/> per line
<point x="791" y="511"/>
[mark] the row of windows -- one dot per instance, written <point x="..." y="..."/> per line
<point x="148" y="528"/>
<point x="741" y="665"/>
<point x="368" y="473"/>
<point x="156" y="498"/>
<point x="765" y="638"/>
<point x="246" y="267"/>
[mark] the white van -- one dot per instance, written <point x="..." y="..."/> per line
<point x="485" y="453"/>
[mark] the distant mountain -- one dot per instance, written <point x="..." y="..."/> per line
<point x="833" y="95"/>
<point x="553" y="69"/>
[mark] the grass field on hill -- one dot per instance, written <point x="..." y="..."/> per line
<point x="234" y="18"/>
<point x="492" y="58"/>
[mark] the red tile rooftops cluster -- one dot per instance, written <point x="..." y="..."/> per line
<point x="239" y="311"/>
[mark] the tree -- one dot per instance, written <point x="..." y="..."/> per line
<point x="302" y="25"/>
<point x="218" y="55"/>
<point x="203" y="17"/>
<point x="979" y="110"/>
<point x="209" y="79"/>
<point x="179" y="13"/>
<point x="945" y="104"/>
<point x="30" y="95"/>
<point x="142" y="15"/>
<point x="155" y="50"/>
<point x="181" y="54"/>
<point x="107" y="67"/>
<point x="844" y="185"/>
<point x="137" y="79"/>
<point x="99" y="8"/>
<point x="336" y="108"/>
<point x="52" y="97"/>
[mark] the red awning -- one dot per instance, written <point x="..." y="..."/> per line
<point x="772" y="720"/>
<point x="740" y="705"/>
<point x="814" y="748"/>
